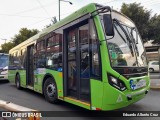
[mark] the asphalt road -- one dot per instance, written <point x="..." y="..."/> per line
<point x="30" y="99"/>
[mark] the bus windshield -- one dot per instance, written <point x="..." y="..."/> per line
<point x="3" y="61"/>
<point x="126" y="48"/>
<point x="120" y="49"/>
<point x="141" y="57"/>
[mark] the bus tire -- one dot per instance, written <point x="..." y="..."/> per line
<point x="151" y="70"/>
<point x="18" y="84"/>
<point x="50" y="90"/>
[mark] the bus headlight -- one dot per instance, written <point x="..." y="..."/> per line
<point x="116" y="83"/>
<point x="4" y="72"/>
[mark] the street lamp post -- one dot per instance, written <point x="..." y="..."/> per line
<point x="59" y="5"/>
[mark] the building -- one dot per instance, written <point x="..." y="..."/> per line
<point x="152" y="51"/>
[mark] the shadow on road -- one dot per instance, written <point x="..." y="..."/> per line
<point x="4" y="82"/>
<point x="28" y="91"/>
<point x="75" y="111"/>
<point x="64" y="106"/>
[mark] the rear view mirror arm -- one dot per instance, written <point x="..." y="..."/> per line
<point x="100" y="10"/>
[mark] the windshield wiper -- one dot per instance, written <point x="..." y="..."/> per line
<point x="135" y="40"/>
<point x="119" y="33"/>
<point x="133" y="28"/>
<point x="128" y="43"/>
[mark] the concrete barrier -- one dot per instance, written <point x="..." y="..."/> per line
<point x="155" y="84"/>
<point x="9" y="106"/>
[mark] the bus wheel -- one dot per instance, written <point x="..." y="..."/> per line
<point x="151" y="70"/>
<point x="18" y="81"/>
<point x="50" y="90"/>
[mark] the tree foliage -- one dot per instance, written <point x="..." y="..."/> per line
<point x="23" y="35"/>
<point x="6" y="47"/>
<point x="140" y="16"/>
<point x="154" y="29"/>
<point x="53" y="21"/>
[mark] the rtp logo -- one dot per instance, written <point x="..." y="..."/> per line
<point x="132" y="84"/>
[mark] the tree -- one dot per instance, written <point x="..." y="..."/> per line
<point x="6" y="47"/>
<point x="140" y="16"/>
<point x="53" y="21"/>
<point x="154" y="29"/>
<point x="23" y="35"/>
<point x="1" y="51"/>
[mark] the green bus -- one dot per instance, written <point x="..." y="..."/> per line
<point x="94" y="58"/>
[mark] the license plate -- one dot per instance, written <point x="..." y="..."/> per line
<point x="139" y="84"/>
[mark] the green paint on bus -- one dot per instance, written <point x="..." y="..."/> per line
<point x="94" y="58"/>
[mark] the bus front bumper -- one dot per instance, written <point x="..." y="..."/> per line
<point x="3" y="77"/>
<point x="134" y="95"/>
<point x="122" y="99"/>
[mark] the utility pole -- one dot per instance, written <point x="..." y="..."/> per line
<point x="60" y="6"/>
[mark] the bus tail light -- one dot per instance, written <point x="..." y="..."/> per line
<point x="98" y="109"/>
<point x="116" y="83"/>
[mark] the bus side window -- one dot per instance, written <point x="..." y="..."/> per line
<point x="24" y="57"/>
<point x="40" y="57"/>
<point x="95" y="62"/>
<point x="54" y="52"/>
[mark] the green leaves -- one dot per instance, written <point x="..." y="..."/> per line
<point x="23" y="35"/>
<point x="140" y="16"/>
<point x="6" y="47"/>
<point x="154" y="31"/>
<point x="148" y="26"/>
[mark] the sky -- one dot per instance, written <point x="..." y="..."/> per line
<point x="36" y="14"/>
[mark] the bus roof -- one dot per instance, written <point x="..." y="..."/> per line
<point x="84" y="10"/>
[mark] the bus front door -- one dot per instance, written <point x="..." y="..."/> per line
<point x="77" y="72"/>
<point x="30" y="66"/>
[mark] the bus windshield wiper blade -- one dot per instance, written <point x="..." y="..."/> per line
<point x="129" y="42"/>
<point x="119" y="33"/>
<point x="135" y="40"/>
<point x="122" y="29"/>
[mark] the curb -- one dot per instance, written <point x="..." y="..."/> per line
<point x="14" y="107"/>
<point x="154" y="87"/>
<point x="17" y="108"/>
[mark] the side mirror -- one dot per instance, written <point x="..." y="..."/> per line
<point x="108" y="24"/>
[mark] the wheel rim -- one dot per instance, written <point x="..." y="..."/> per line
<point x="151" y="70"/>
<point x="51" y="90"/>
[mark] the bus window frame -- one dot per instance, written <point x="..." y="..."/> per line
<point x="98" y="51"/>
<point x="42" y="40"/>
<point x="54" y="34"/>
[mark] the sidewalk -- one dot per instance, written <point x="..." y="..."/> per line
<point x="9" y="111"/>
